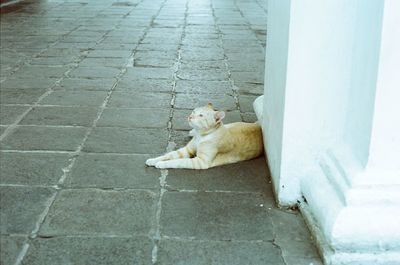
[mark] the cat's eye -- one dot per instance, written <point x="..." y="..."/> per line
<point x="201" y="115"/>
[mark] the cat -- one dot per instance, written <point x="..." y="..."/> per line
<point x="213" y="143"/>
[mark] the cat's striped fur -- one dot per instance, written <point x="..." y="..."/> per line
<point x="213" y="143"/>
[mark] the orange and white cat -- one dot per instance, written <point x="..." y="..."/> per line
<point x="213" y="143"/>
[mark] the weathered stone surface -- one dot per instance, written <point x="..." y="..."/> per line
<point x="123" y="140"/>
<point x="44" y="138"/>
<point x="10" y="248"/>
<point x="32" y="168"/>
<point x="246" y="103"/>
<point x="216" y="216"/>
<point x="94" y="212"/>
<point x="191" y="101"/>
<point x="21" y="96"/>
<point x="75" y="98"/>
<point x="21" y="207"/>
<point x="27" y="83"/>
<point x="218" y="252"/>
<point x="149" y="73"/>
<point x="113" y="171"/>
<point x="9" y="114"/>
<point x="295" y="242"/>
<point x="94" y="72"/>
<point x="209" y="75"/>
<point x="204" y="87"/>
<point x="144" y="85"/>
<point x="89" y="250"/>
<point x="148" y="118"/>
<point x="79" y="116"/>
<point x="246" y="176"/>
<point x="139" y="100"/>
<point x="82" y="84"/>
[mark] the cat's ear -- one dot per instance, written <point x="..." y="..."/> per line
<point x="210" y="105"/>
<point x="219" y="115"/>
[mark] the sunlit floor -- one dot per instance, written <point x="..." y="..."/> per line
<point x="89" y="90"/>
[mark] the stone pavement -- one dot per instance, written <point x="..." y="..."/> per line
<point x="89" y="90"/>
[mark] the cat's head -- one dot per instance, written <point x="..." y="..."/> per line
<point x="204" y="118"/>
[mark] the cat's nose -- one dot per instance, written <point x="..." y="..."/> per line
<point x="190" y="117"/>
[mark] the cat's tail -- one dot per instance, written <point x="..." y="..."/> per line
<point x="258" y="109"/>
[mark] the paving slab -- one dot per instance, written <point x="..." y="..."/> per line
<point x="112" y="171"/>
<point x="71" y="116"/>
<point x="32" y="168"/>
<point x="94" y="212"/>
<point x="89" y="250"/>
<point x="216" y="216"/>
<point x="21" y="96"/>
<point x="246" y="176"/>
<point x="191" y="101"/>
<point x="10" y="247"/>
<point x="131" y="118"/>
<point x="144" y="85"/>
<point x="172" y="252"/>
<point x="79" y="84"/>
<point x="44" y="138"/>
<point x="9" y="114"/>
<point x="139" y="100"/>
<point x="21" y="208"/>
<point x="75" y="98"/>
<point x="127" y="140"/>
<point x="203" y="87"/>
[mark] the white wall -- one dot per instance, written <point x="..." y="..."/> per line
<point x="331" y="122"/>
<point x="275" y="82"/>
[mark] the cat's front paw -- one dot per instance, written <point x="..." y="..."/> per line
<point x="151" y="162"/>
<point x="161" y="164"/>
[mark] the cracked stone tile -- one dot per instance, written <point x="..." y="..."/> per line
<point x="21" y="207"/>
<point x="113" y="171"/>
<point x="173" y="252"/>
<point x="100" y="212"/>
<point x="216" y="216"/>
<point x="32" y="168"/>
<point x="89" y="250"/>
<point x="109" y="53"/>
<point x="44" y="138"/>
<point x="72" y="116"/>
<point x="250" y="77"/>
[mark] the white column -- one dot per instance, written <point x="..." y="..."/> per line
<point x="331" y="122"/>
